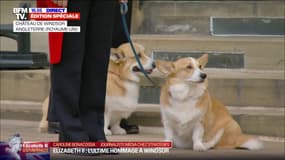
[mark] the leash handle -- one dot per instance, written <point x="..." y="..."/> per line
<point x="124" y="10"/>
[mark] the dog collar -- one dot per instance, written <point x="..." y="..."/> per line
<point x="129" y="80"/>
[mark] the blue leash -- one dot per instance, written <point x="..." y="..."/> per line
<point x="124" y="10"/>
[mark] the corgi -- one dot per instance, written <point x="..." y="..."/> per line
<point x="190" y="116"/>
<point x="122" y="87"/>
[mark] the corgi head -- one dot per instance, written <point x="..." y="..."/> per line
<point x="125" y="61"/>
<point x="185" y="79"/>
<point x="185" y="69"/>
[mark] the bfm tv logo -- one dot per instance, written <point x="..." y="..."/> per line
<point x="21" y="13"/>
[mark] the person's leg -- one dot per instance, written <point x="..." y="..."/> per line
<point x="66" y="77"/>
<point x="95" y="68"/>
<point x="53" y="124"/>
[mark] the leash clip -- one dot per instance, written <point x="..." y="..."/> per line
<point x="124" y="7"/>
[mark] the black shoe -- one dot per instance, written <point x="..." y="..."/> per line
<point x="130" y="129"/>
<point x="54" y="127"/>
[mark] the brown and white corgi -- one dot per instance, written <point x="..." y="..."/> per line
<point x="191" y="117"/>
<point x="122" y="87"/>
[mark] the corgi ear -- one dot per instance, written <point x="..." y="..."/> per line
<point x="203" y="60"/>
<point x="116" y="55"/>
<point x="164" y="67"/>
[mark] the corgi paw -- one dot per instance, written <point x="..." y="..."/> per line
<point x="199" y="146"/>
<point x="42" y="130"/>
<point x="43" y="127"/>
<point x="107" y="132"/>
<point x="118" y="130"/>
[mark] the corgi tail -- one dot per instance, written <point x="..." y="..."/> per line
<point x="249" y="142"/>
<point x="211" y="143"/>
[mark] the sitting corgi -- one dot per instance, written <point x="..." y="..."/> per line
<point x="191" y="117"/>
<point x="122" y="87"/>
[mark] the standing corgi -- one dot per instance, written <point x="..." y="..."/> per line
<point x="123" y="85"/>
<point x="191" y="117"/>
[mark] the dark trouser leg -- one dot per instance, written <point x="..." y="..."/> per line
<point x="66" y="78"/>
<point x="95" y="67"/>
<point x="51" y="109"/>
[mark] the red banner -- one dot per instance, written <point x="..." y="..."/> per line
<point x="32" y="147"/>
<point x="54" y="16"/>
